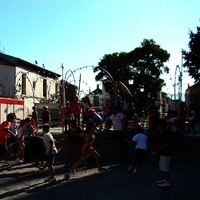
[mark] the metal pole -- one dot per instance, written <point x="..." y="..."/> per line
<point x="115" y="84"/>
<point x="63" y="86"/>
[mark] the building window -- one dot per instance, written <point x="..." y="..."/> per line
<point x="44" y="88"/>
<point x="57" y="88"/>
<point x="96" y="100"/>
<point x="24" y="84"/>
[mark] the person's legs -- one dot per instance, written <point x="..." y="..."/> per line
<point x="51" y="170"/>
<point x="3" y="151"/>
<point x="189" y="127"/>
<point x="130" y="133"/>
<point x="193" y="127"/>
<point x="164" y="168"/>
<point x="77" y="118"/>
<point x="50" y="162"/>
<point x="77" y="164"/>
<point x="96" y="155"/>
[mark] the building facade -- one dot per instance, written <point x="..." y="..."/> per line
<point x="21" y="80"/>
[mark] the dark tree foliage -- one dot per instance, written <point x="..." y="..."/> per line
<point x="192" y="57"/>
<point x="144" y="63"/>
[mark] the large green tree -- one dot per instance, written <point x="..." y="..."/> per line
<point x="192" y="57"/>
<point x="144" y="63"/>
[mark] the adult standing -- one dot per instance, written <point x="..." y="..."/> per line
<point x="85" y="106"/>
<point x="119" y="125"/>
<point x="45" y="115"/>
<point x="181" y="117"/>
<point x="67" y="115"/>
<point x="76" y="110"/>
<point x="34" y="118"/>
<point x="191" y="119"/>
<point x="153" y="115"/>
<point x="127" y="104"/>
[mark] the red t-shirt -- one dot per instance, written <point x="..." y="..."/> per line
<point x="76" y="107"/>
<point x="4" y="127"/>
<point x="67" y="112"/>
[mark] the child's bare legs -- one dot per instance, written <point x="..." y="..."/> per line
<point x="96" y="155"/>
<point x="165" y="175"/>
<point x="51" y="170"/>
<point x="84" y="158"/>
<point x="78" y="163"/>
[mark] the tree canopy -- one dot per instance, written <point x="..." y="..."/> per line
<point x="192" y="57"/>
<point x="145" y="64"/>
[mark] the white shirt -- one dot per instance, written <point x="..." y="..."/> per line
<point x="173" y="128"/>
<point x="46" y="139"/>
<point x="141" y="141"/>
<point x="117" y="121"/>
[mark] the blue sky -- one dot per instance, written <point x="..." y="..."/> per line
<point x="78" y="33"/>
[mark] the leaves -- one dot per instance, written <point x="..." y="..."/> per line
<point x="144" y="63"/>
<point x="192" y="57"/>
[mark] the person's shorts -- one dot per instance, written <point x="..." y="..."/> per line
<point x="164" y="163"/>
<point x="3" y="149"/>
<point x="51" y="159"/>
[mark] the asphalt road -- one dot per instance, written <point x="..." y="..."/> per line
<point x="27" y="182"/>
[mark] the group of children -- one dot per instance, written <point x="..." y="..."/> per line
<point x="83" y="143"/>
<point x="164" y="146"/>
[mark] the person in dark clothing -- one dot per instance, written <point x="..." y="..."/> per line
<point x="166" y="152"/>
<point x="75" y="137"/>
<point x="45" y="115"/>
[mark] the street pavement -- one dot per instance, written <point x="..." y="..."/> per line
<point x="25" y="181"/>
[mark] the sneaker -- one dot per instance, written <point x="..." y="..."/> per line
<point x="101" y="169"/>
<point x="18" y="161"/>
<point x="47" y="179"/>
<point x="135" y="171"/>
<point x="161" y="181"/>
<point x="165" y="184"/>
<point x="130" y="168"/>
<point x="51" y="180"/>
<point x="73" y="171"/>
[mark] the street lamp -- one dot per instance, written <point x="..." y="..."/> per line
<point x="142" y="88"/>
<point x="131" y="81"/>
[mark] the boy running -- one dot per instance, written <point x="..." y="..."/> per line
<point x="88" y="149"/>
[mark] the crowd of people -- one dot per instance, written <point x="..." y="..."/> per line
<point x="81" y="122"/>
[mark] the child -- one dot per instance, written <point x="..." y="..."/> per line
<point x="140" y="141"/>
<point x="4" y="133"/>
<point x="75" y="136"/>
<point x="166" y="152"/>
<point x="28" y="130"/>
<point x="51" y="152"/>
<point x="88" y="149"/>
<point x="21" y="145"/>
<point x="34" y="118"/>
